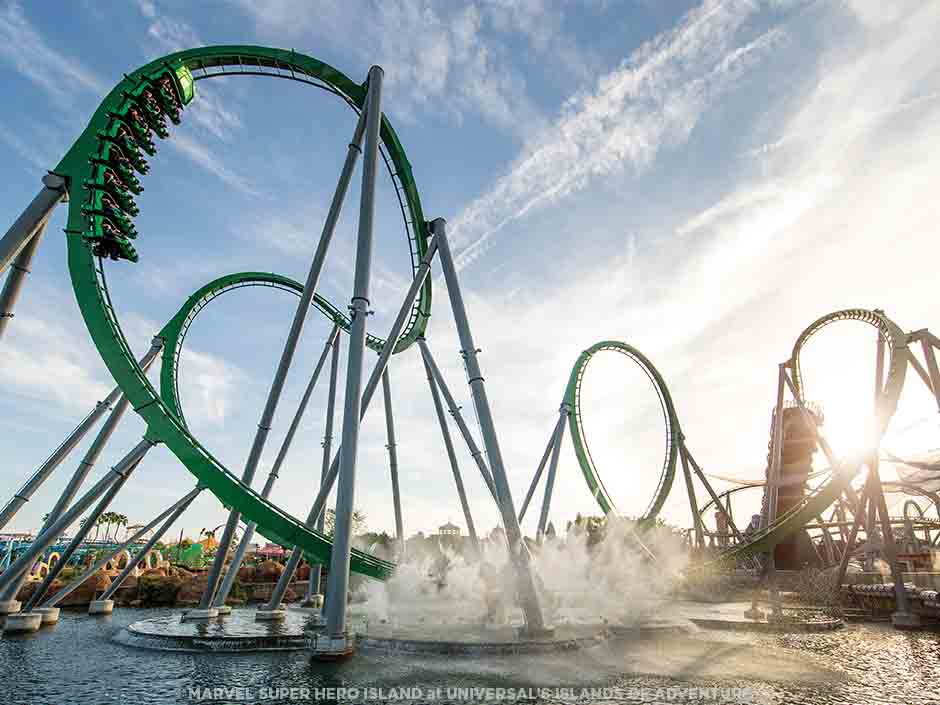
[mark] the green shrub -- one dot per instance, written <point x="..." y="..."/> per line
<point x="158" y="589"/>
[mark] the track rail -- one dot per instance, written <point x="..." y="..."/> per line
<point x="578" y="437"/>
<point x="99" y="172"/>
<point x="823" y="496"/>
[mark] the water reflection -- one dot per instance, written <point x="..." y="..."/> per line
<point x="78" y="662"/>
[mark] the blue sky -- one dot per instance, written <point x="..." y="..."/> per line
<point x="699" y="180"/>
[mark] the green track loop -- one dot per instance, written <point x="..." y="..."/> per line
<point x="101" y="184"/>
<point x="174" y="335"/>
<point x="821" y="498"/>
<point x="673" y="434"/>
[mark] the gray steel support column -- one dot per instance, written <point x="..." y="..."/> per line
<point x="147" y="547"/>
<point x="850" y="543"/>
<point x="74" y="438"/>
<point x="452" y="457"/>
<point x="693" y="502"/>
<point x="185" y="501"/>
<point x="359" y="309"/>
<point x="827" y="542"/>
<point x="404" y="313"/>
<point x="552" y="471"/>
<point x="475" y="451"/>
<point x="393" y="461"/>
<point x="226" y="586"/>
<point x="934" y="371"/>
<point x="517" y="549"/>
<point x="79" y="537"/>
<point x="42" y="473"/>
<point x="313" y="583"/>
<point x="287" y="355"/>
<point x="84" y="467"/>
<point x="711" y="492"/>
<point x="34" y="217"/>
<point x="49" y="535"/>
<point x="538" y="471"/>
<point x="902" y="604"/>
<point x="19" y="270"/>
<point x="280" y="588"/>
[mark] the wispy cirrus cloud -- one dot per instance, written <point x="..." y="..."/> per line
<point x="23" y="148"/>
<point x="212" y="114"/>
<point x="62" y="77"/>
<point x="652" y="101"/>
<point x="197" y="152"/>
<point x="462" y="67"/>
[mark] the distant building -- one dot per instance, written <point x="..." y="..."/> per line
<point x="449" y="530"/>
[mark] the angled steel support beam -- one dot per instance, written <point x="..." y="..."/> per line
<point x="553" y="439"/>
<point x="518" y="551"/>
<point x="229" y="580"/>
<point x="287" y="354"/>
<point x="393" y="461"/>
<point x="452" y="456"/>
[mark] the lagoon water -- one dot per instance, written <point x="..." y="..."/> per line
<point x="78" y="661"/>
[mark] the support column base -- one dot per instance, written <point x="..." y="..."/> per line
<point x="101" y="607"/>
<point x="50" y="615"/>
<point x="332" y="647"/>
<point x="313" y="615"/>
<point x="536" y="634"/>
<point x="10" y="606"/>
<point x="315" y="602"/>
<point x="905" y="620"/>
<point x="22" y="622"/>
<point x="199" y="615"/>
<point x="225" y="610"/>
<point x="277" y="615"/>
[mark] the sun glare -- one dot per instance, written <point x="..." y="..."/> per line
<point x="838" y="366"/>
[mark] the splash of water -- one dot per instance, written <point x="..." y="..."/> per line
<point x="583" y="578"/>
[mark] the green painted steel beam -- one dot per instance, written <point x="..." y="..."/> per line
<point x="100" y="172"/>
<point x="581" y="449"/>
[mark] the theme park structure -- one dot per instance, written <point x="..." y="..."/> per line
<point x="98" y="179"/>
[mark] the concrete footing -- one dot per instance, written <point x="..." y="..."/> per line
<point x="270" y="615"/>
<point x="538" y="634"/>
<point x="225" y="610"/>
<point x="10" y="606"/>
<point x="314" y="616"/>
<point x="22" y="622"/>
<point x="196" y="615"/>
<point x="101" y="607"/>
<point x="50" y="615"/>
<point x="315" y="602"/>
<point x="905" y="620"/>
<point x="332" y="647"/>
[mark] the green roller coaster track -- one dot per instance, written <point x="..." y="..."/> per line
<point x="101" y="181"/>
<point x="576" y="425"/>
<point x="174" y="335"/>
<point x="815" y="502"/>
<point x="99" y="169"/>
<point x="824" y="495"/>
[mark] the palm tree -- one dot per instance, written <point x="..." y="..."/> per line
<point x="121" y="521"/>
<point x="112" y="521"/>
<point x="107" y="519"/>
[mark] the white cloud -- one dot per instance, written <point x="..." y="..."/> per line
<point x="439" y="58"/>
<point x="653" y="100"/>
<point x="147" y="8"/>
<point x="210" y="388"/>
<point x="201" y="155"/>
<point x="51" y="359"/>
<point x="61" y="77"/>
<point x="25" y="150"/>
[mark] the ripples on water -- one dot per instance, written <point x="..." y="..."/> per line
<point x="77" y="662"/>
